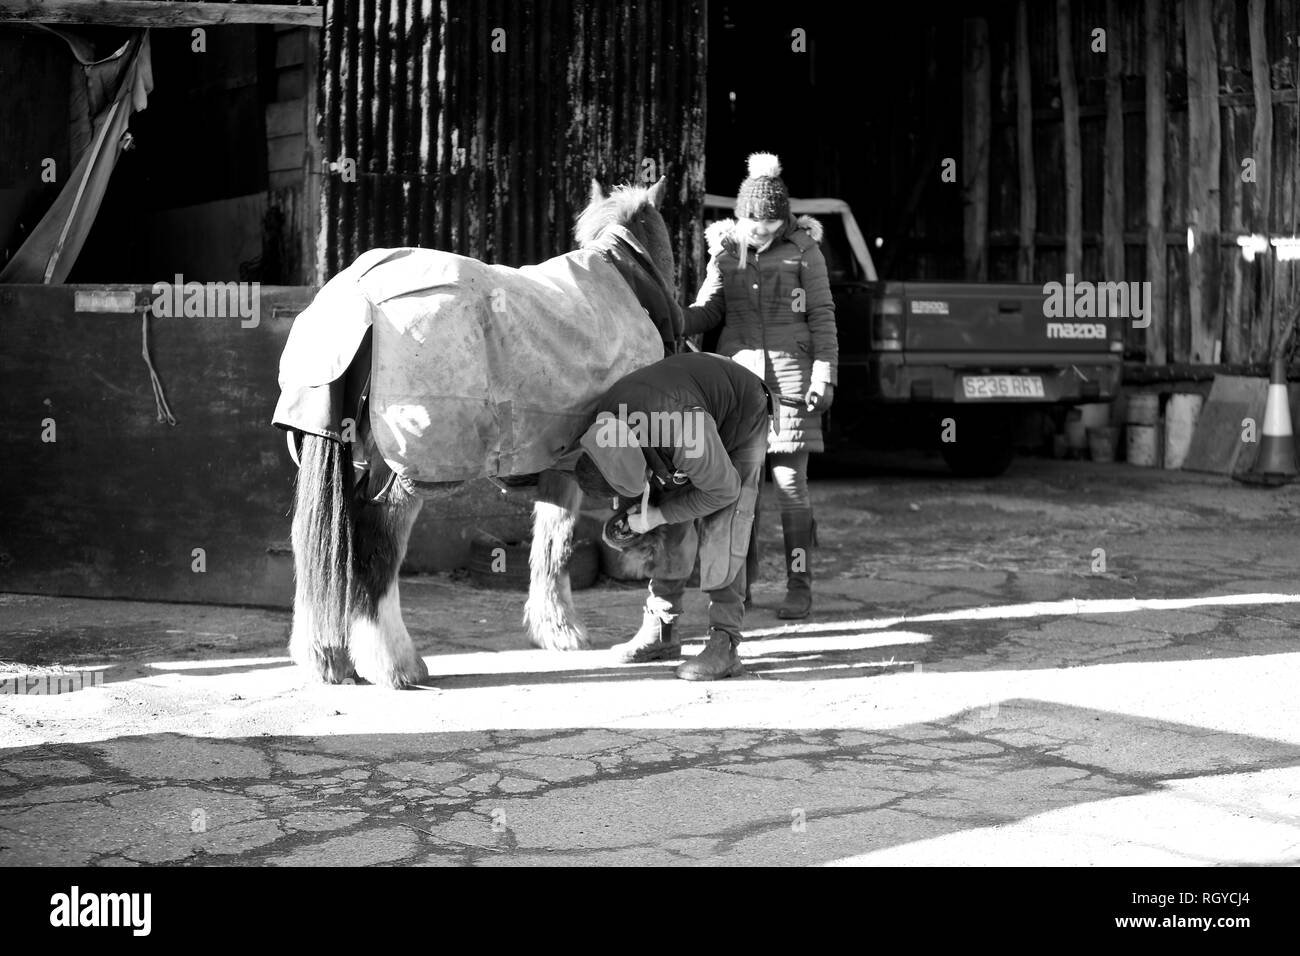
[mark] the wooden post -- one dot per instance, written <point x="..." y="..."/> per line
<point x="1203" y="182"/>
<point x="1073" y="159"/>
<point x="1157" y="263"/>
<point x="1025" y="148"/>
<point x="1112" y="212"/>
<point x="312" y="263"/>
<point x="1263" y="334"/>
<point x="157" y="13"/>
<point x="977" y="125"/>
<point x="1235" y="299"/>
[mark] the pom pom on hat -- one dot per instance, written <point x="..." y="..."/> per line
<point x="763" y="194"/>
<point x="764" y="164"/>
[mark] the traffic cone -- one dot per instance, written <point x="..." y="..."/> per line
<point x="1275" y="464"/>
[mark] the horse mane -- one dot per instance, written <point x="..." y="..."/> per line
<point x="618" y="208"/>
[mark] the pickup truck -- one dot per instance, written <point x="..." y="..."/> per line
<point x="952" y="365"/>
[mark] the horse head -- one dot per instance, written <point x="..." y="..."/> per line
<point x="636" y="209"/>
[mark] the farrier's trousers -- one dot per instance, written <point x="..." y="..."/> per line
<point x="726" y="603"/>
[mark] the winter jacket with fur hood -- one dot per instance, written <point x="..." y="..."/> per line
<point x="787" y="339"/>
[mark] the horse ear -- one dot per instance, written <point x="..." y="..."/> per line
<point x="658" y="191"/>
<point x="597" y="194"/>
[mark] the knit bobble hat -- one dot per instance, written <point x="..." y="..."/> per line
<point x="763" y="195"/>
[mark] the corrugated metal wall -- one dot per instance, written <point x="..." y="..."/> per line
<point x="476" y="126"/>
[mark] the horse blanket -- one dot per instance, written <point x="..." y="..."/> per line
<point x="476" y="370"/>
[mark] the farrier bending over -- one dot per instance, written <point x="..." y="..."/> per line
<point x="703" y="420"/>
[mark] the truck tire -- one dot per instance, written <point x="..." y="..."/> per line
<point x="984" y="447"/>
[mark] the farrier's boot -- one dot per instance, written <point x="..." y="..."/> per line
<point x="653" y="642"/>
<point x="719" y="659"/>
<point x="797" y="528"/>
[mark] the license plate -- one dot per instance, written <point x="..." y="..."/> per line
<point x="976" y="387"/>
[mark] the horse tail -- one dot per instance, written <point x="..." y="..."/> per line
<point x="549" y="612"/>
<point x="323" y="556"/>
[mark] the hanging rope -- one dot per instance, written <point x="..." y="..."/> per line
<point x="159" y="396"/>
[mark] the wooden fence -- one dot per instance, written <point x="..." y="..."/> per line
<point x="1139" y="141"/>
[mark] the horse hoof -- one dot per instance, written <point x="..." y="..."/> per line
<point x="412" y="673"/>
<point x="571" y="638"/>
<point x="420" y="671"/>
<point x="328" y="665"/>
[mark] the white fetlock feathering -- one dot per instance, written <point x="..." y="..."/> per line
<point x="549" y="613"/>
<point x="381" y="649"/>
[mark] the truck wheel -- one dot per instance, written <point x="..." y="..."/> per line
<point x="984" y="447"/>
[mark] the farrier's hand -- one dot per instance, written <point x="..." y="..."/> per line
<point x="819" y="397"/>
<point x="647" y="522"/>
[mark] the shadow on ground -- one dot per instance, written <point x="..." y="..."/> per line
<point x="651" y="796"/>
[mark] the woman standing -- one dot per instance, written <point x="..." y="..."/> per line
<point x="766" y="283"/>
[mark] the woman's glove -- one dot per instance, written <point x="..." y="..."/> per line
<point x="819" y="397"/>
<point x="647" y="522"/>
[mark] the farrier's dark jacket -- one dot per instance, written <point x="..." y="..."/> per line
<point x="731" y="396"/>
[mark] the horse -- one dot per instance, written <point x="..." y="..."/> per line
<point x="449" y="367"/>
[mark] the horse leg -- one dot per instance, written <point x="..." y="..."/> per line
<point x="549" y="613"/>
<point x="379" y="643"/>
<point x="322" y="559"/>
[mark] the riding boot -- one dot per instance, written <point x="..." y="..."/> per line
<point x="653" y="642"/>
<point x="797" y="528"/>
<point x="718" y="660"/>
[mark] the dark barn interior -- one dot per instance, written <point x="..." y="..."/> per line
<point x="884" y="94"/>
<point x="852" y="116"/>
<point x="861" y="104"/>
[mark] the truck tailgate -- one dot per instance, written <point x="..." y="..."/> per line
<point x="980" y="317"/>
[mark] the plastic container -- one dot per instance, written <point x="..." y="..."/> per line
<point x="1143" y="409"/>
<point x="1144" y="445"/>
<point x="1095" y="415"/>
<point x="1101" y="443"/>
<point x="1076" y="434"/>
<point x="1180" y="424"/>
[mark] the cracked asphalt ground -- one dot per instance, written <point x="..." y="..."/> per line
<point x="976" y="687"/>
